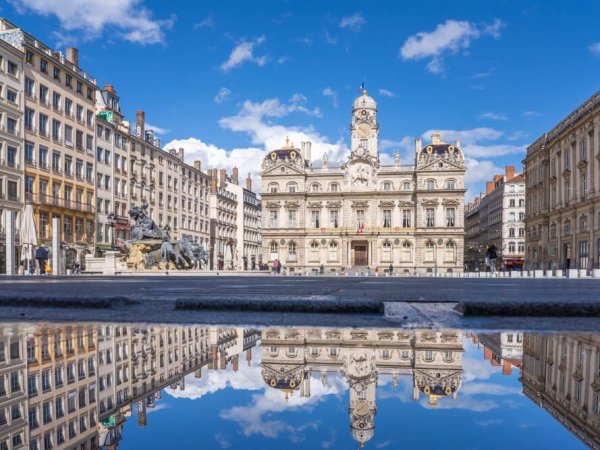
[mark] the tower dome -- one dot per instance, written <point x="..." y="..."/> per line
<point x="364" y="101"/>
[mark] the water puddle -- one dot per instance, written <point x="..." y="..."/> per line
<point x="87" y="386"/>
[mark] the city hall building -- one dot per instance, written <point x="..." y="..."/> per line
<point x="364" y="215"/>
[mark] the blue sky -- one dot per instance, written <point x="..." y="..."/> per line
<point x="236" y="410"/>
<point x="225" y="79"/>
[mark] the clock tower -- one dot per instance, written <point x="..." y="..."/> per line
<point x="364" y="129"/>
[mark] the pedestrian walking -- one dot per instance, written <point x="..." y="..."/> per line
<point x="391" y="270"/>
<point x="41" y="255"/>
<point x="278" y="266"/>
<point x="491" y="256"/>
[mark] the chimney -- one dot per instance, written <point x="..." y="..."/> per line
<point x="418" y="145"/>
<point x="489" y="187"/>
<point x="73" y="56"/>
<point x="213" y="180"/>
<point x="181" y="153"/>
<point x="436" y="138"/>
<point x="234" y="176"/>
<point x="198" y="373"/>
<point x="235" y="363"/>
<point x="302" y="148"/>
<point x="249" y="356"/>
<point x="110" y="88"/>
<point x="307" y="147"/>
<point x="156" y="142"/>
<point x="222" y="178"/>
<point x="222" y="361"/>
<point x="497" y="178"/>
<point x="213" y="352"/>
<point x="249" y="182"/>
<point x="198" y="165"/>
<point x="487" y="354"/>
<point x="510" y="172"/>
<point x="506" y="368"/>
<point x="140" y="120"/>
<point x="149" y="136"/>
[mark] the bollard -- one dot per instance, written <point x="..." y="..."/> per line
<point x="596" y="273"/>
<point x="571" y="273"/>
<point x="559" y="273"/>
<point x="538" y="274"/>
<point x="582" y="273"/>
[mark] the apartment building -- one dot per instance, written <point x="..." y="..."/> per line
<point x="223" y="222"/>
<point x="497" y="217"/>
<point x="59" y="102"/>
<point x="563" y="192"/>
<point x="12" y="183"/>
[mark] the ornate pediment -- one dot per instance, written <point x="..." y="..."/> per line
<point x="450" y="202"/>
<point x="360" y="204"/>
<point x="278" y="167"/>
<point x="440" y="162"/>
<point x="387" y="203"/>
<point x="334" y="204"/>
<point x="291" y="204"/>
<point x="430" y="202"/>
<point x="273" y="205"/>
<point x="315" y="204"/>
<point x="405" y="203"/>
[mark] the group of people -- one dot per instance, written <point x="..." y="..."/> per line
<point x="276" y="267"/>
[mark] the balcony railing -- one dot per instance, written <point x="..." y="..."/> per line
<point x="59" y="202"/>
<point x="11" y="164"/>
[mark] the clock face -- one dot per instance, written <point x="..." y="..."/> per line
<point x="364" y="130"/>
<point x="362" y="409"/>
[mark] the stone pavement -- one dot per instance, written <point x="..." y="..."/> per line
<point x="348" y="301"/>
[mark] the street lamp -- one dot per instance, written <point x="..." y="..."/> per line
<point x="111" y="220"/>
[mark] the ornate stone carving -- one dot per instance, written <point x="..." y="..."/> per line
<point x="360" y="204"/>
<point x="389" y="203"/>
<point x="315" y="205"/>
<point x="334" y="204"/>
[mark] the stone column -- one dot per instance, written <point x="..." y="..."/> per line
<point x="10" y="242"/>
<point x="56" y="257"/>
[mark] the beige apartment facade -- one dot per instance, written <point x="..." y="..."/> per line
<point x="59" y="143"/>
<point x="12" y="181"/>
<point x="364" y="215"/>
<point x="563" y="193"/>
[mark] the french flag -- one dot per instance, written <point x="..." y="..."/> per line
<point x="361" y="87"/>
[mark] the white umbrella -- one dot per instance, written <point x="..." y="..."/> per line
<point x="28" y="235"/>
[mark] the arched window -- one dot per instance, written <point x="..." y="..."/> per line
<point x="273" y="247"/>
<point x="429" y="255"/>
<point x="430" y="185"/>
<point x="450" y="184"/>
<point x="315" y="187"/>
<point x="450" y="252"/>
<point x="333" y="251"/>
<point x="292" y="252"/>
<point x="387" y="186"/>
<point x="406" y="186"/>
<point x="314" y="251"/>
<point x="406" y="252"/>
<point x="386" y="253"/>
<point x="292" y="187"/>
<point x="334" y="187"/>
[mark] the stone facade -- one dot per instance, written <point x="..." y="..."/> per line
<point x="58" y="118"/>
<point x="12" y="182"/>
<point x="364" y="214"/>
<point x="563" y="193"/>
<point x="223" y="211"/>
<point x="497" y="217"/>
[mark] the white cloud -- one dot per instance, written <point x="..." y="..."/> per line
<point x="252" y="120"/>
<point x="207" y="22"/>
<point x="328" y="92"/>
<point x="480" y="75"/>
<point x="222" y="96"/>
<point x="156" y="129"/>
<point x="595" y="48"/>
<point x="244" y="52"/>
<point x="353" y="22"/>
<point x="452" y="36"/>
<point x="493" y="116"/>
<point x="128" y="19"/>
<point x="532" y="114"/>
<point x="386" y="93"/>
<point x="222" y="440"/>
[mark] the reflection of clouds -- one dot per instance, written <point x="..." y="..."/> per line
<point x="222" y="440"/>
<point x="475" y="367"/>
<point x="487" y="423"/>
<point x="489" y="389"/>
<point x="253" y="418"/>
<point x="383" y="444"/>
<point x="157" y="407"/>
<point x="247" y="378"/>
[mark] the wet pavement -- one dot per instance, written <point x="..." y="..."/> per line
<point x="71" y="385"/>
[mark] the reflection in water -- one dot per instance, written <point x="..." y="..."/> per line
<point x="71" y="386"/>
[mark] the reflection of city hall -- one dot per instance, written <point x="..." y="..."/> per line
<point x="433" y="360"/>
<point x="365" y="213"/>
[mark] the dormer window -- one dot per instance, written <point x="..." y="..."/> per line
<point x="387" y="186"/>
<point x="450" y="184"/>
<point x="333" y="187"/>
<point x="315" y="187"/>
<point x="430" y="185"/>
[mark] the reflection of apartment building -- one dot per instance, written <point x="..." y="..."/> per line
<point x="14" y="430"/>
<point x="62" y="387"/>
<point x="11" y="138"/>
<point x="561" y="373"/>
<point x="292" y="358"/>
<point x="563" y="185"/>
<point x="59" y="141"/>
<point x="497" y="217"/>
<point x="502" y="349"/>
